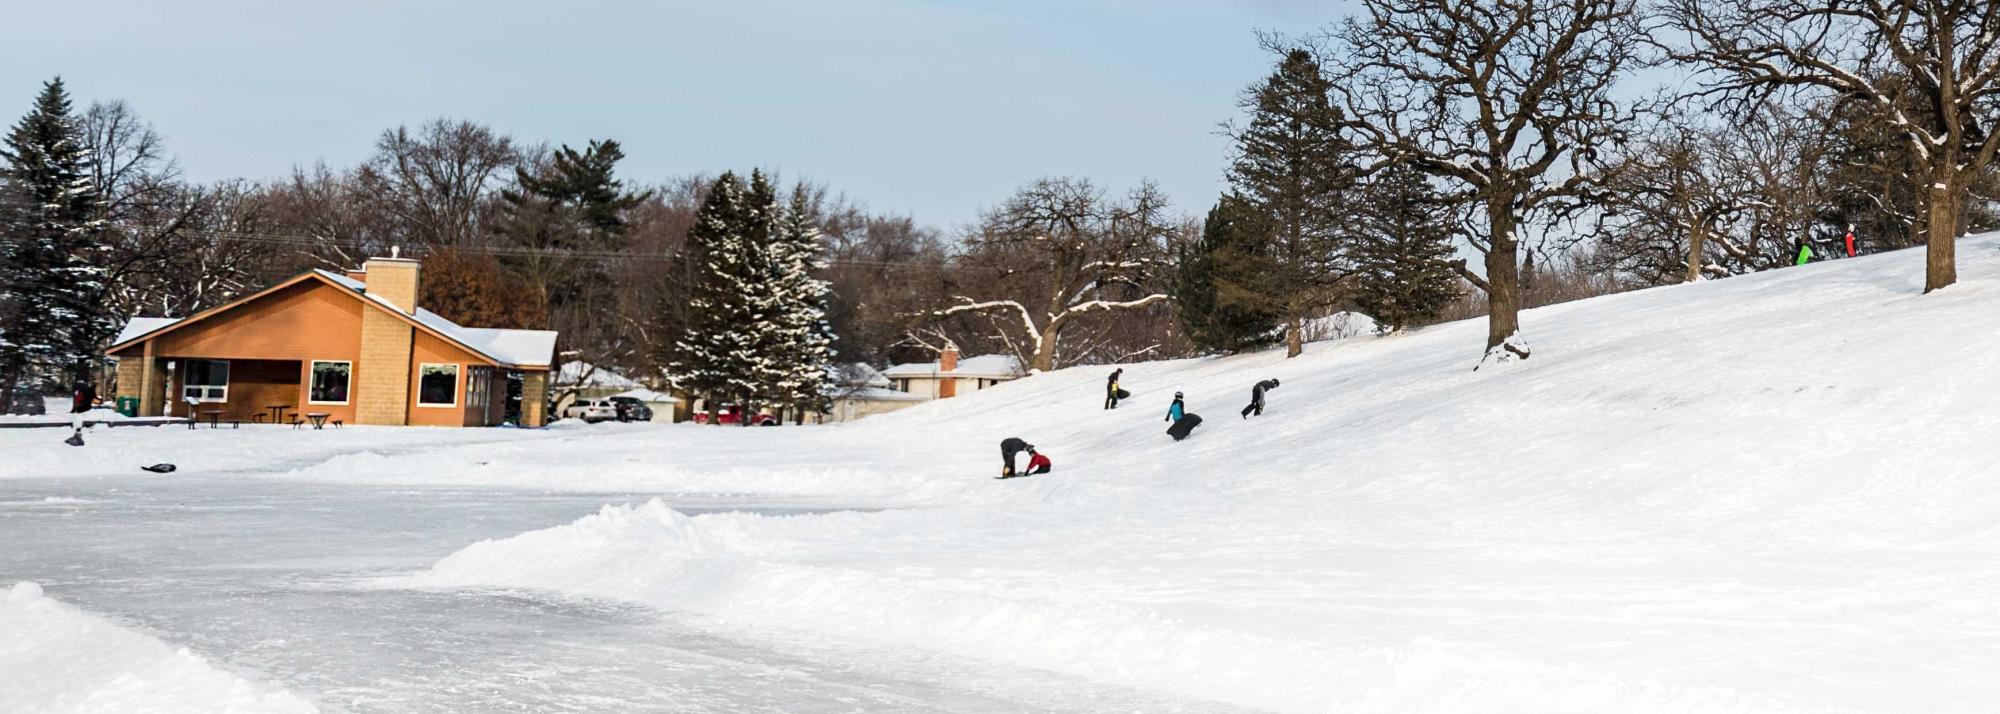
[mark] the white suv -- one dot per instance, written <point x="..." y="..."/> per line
<point x="591" y="411"/>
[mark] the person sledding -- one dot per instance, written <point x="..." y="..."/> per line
<point x="1038" y="463"/>
<point x="1009" y="448"/>
<point x="1111" y="391"/>
<point x="1183" y="422"/>
<point x="1257" y="397"/>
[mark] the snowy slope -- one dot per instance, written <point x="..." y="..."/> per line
<point x="57" y="658"/>
<point x="1769" y="493"/>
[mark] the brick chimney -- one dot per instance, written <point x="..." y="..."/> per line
<point x="394" y="279"/>
<point x="947" y="363"/>
<point x="948" y="358"/>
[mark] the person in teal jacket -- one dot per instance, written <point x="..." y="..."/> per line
<point x="1178" y="408"/>
<point x="1805" y="254"/>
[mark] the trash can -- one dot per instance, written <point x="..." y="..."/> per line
<point x="128" y="406"/>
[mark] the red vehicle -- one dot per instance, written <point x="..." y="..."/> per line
<point x="732" y="414"/>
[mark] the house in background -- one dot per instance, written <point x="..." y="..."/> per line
<point x="859" y="390"/>
<point x="950" y="376"/>
<point x="354" y="346"/>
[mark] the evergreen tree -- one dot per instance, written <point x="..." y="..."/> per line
<point x="1293" y="165"/>
<point x="713" y="355"/>
<point x="53" y="291"/>
<point x="806" y="352"/>
<point x="1223" y="304"/>
<point x="1403" y="251"/>
<point x="571" y="202"/>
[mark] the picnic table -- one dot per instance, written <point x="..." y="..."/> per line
<point x="318" y="419"/>
<point x="278" y="412"/>
<point x="214" y="417"/>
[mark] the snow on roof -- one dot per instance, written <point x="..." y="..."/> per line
<point x="981" y="367"/>
<point x="586" y="374"/>
<point x="141" y="326"/>
<point x="856" y="374"/>
<point x="647" y="395"/>
<point x="344" y="281"/>
<point x="522" y="348"/>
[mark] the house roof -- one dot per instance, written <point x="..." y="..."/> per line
<point x="585" y="374"/>
<point x="511" y="348"/>
<point x="647" y="395"/>
<point x="981" y="367"/>
<point x="140" y="326"/>
<point x="855" y="374"/>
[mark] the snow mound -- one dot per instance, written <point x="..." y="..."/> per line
<point x="61" y="659"/>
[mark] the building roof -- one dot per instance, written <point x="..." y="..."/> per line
<point x="140" y="326"/>
<point x="585" y="374"/>
<point x="647" y="395"/>
<point x="516" y="347"/>
<point x="981" y="367"/>
<point x="855" y="374"/>
<point x="511" y="348"/>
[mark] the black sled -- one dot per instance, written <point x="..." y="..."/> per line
<point x="1185" y="426"/>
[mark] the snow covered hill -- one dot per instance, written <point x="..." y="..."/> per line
<point x="1769" y="493"/>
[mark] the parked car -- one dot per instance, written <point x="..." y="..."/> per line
<point x="732" y="414"/>
<point x="631" y="409"/>
<point x="591" y="411"/>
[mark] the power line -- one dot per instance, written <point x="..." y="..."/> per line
<point x="300" y="241"/>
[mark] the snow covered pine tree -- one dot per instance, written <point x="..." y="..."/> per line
<point x="53" y="316"/>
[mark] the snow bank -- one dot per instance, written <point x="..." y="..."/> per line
<point x="60" y="659"/>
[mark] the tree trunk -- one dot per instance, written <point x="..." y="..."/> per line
<point x="1295" y="339"/>
<point x="1941" y="241"/>
<point x="1697" y="237"/>
<point x="1045" y="352"/>
<point x="1503" y="278"/>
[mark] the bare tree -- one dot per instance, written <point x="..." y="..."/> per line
<point x="434" y="181"/>
<point x="1062" y="244"/>
<point x="1507" y="100"/>
<point x="1853" y="49"/>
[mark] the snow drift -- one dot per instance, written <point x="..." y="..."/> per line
<point x="61" y="659"/>
<point x="1766" y="493"/>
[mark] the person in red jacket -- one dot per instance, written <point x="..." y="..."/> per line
<point x="1037" y="463"/>
<point x="1850" y="241"/>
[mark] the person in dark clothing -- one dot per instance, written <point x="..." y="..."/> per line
<point x="1111" y="389"/>
<point x="1037" y="463"/>
<point x="83" y="397"/>
<point x="1008" y="448"/>
<point x="1175" y="410"/>
<point x="1257" y="397"/>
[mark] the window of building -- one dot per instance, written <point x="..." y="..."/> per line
<point x="329" y="382"/>
<point x="206" y="380"/>
<point x="437" y="385"/>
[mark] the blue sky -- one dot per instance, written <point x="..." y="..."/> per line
<point x="934" y="109"/>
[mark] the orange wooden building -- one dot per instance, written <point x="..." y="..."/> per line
<point x="356" y="347"/>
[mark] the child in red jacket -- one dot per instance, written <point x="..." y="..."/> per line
<point x="1037" y="463"/>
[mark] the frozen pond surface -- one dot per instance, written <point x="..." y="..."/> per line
<point x="284" y="581"/>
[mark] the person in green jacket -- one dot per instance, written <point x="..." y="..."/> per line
<point x="1805" y="254"/>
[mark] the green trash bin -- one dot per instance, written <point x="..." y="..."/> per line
<point x="128" y="406"/>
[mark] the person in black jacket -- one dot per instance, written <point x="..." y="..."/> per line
<point x="1257" y="397"/>
<point x="1008" y="448"/>
<point x="1111" y="389"/>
